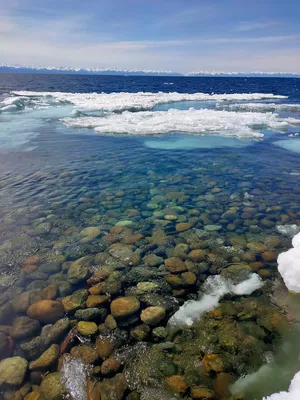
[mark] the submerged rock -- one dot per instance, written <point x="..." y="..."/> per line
<point x="46" y="311"/>
<point x="153" y="315"/>
<point x="124" y="306"/>
<point x="12" y="371"/>
<point x="47" y="359"/>
<point x="51" y="387"/>
<point x="24" y="328"/>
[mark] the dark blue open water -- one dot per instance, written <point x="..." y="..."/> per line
<point x="134" y="165"/>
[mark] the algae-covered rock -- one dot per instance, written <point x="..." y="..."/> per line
<point x="91" y="314"/>
<point x="140" y="332"/>
<point x="12" y="371"/>
<point x="79" y="270"/>
<point x="86" y="328"/>
<point x="153" y="315"/>
<point x="51" y="387"/>
<point x="113" y="388"/>
<point x="47" y="359"/>
<point x="175" y="265"/>
<point x="75" y="301"/>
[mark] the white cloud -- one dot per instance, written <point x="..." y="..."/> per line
<point x="246" y="26"/>
<point x="58" y="41"/>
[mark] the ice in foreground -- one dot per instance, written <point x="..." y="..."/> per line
<point x="289" y="265"/>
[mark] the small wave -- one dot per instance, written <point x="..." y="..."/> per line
<point x="225" y="123"/>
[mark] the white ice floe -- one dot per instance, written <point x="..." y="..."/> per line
<point x="135" y="101"/>
<point x="292" y="394"/>
<point x="214" y="288"/>
<point x="291" y="145"/>
<point x="289" y="265"/>
<point x="260" y="107"/>
<point x="226" y="123"/>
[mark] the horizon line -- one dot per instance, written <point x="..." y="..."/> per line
<point x="120" y="71"/>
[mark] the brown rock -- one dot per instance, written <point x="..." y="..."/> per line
<point x="50" y="292"/>
<point x="183" y="226"/>
<point x="93" y="390"/>
<point x="197" y="255"/>
<point x="96" y="301"/>
<point x="177" y="384"/>
<point x="222" y="384"/>
<point x="213" y="362"/>
<point x="189" y="278"/>
<point x="110" y="366"/>
<point x="270" y="256"/>
<point x="202" y="393"/>
<point x="86" y="353"/>
<point x="33" y="396"/>
<point x="46" y="311"/>
<point x="153" y="315"/>
<point x="113" y="388"/>
<point x="175" y="265"/>
<point x="104" y="346"/>
<point x="31" y="260"/>
<point x="124" y="306"/>
<point x="47" y="359"/>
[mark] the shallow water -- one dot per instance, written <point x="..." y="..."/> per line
<point x="58" y="180"/>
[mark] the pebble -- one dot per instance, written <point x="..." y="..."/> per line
<point x="124" y="306"/>
<point x="87" y="328"/>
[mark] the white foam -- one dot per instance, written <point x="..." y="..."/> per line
<point x="214" y="288"/>
<point x="288" y="230"/>
<point x="260" y="107"/>
<point x="289" y="265"/>
<point x="74" y="378"/>
<point x="289" y="144"/>
<point x="136" y="101"/>
<point x="226" y="123"/>
<point x="292" y="394"/>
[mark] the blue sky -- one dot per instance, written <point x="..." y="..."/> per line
<point x="179" y="35"/>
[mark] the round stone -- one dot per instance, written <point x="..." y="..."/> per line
<point x="46" y="311"/>
<point x="175" y="265"/>
<point x="124" y="306"/>
<point x="12" y="371"/>
<point x="153" y="315"/>
<point x="86" y="328"/>
<point x="183" y="226"/>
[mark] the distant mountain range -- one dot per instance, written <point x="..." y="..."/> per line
<point x="132" y="72"/>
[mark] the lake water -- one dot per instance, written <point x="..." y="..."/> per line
<point x="159" y="183"/>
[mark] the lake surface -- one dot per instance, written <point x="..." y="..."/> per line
<point x="168" y="190"/>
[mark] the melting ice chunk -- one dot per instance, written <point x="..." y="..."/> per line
<point x="214" y="288"/>
<point x="289" y="265"/>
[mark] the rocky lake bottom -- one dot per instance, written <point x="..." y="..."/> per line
<point x="99" y="252"/>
